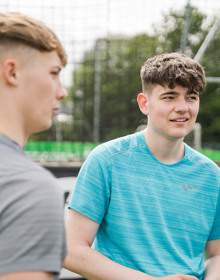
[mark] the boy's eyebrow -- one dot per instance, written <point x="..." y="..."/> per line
<point x="172" y="92"/>
<point x="58" y="68"/>
<point x="192" y="92"/>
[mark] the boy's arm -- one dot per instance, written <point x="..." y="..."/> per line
<point x="213" y="263"/>
<point x="92" y="265"/>
<point x="27" y="275"/>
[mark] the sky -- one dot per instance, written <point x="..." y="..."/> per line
<point x="79" y="22"/>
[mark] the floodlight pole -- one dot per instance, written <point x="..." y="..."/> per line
<point x="185" y="28"/>
<point x="96" y="119"/>
<point x="207" y="40"/>
<point x="197" y="139"/>
<point x="204" y="46"/>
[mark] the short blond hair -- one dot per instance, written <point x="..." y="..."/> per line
<point x="17" y="29"/>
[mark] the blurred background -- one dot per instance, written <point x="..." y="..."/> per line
<point x="107" y="42"/>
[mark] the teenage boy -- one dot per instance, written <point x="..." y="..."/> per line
<point x="32" y="235"/>
<point x="150" y="201"/>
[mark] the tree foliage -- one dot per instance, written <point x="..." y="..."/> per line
<point x="119" y="61"/>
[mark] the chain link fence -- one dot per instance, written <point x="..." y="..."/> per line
<point x="91" y="31"/>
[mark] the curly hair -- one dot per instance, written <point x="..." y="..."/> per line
<point x="172" y="69"/>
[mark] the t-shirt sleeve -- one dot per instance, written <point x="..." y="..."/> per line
<point x="32" y="224"/>
<point x="215" y="232"/>
<point x="93" y="186"/>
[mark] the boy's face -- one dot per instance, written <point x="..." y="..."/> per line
<point x="171" y="112"/>
<point x="41" y="90"/>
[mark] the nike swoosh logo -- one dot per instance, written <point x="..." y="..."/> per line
<point x="189" y="188"/>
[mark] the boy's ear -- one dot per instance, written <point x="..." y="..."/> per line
<point x="9" y="71"/>
<point x="142" y="100"/>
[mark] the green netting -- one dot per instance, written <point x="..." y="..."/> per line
<point x="72" y="151"/>
<point x="212" y="154"/>
<point x="59" y="151"/>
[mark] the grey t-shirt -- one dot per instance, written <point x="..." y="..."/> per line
<point x="32" y="235"/>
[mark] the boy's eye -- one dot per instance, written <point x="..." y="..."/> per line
<point x="169" y="97"/>
<point x="54" y="72"/>
<point x="193" y="97"/>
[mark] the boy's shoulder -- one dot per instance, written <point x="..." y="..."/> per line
<point x="201" y="159"/>
<point x="121" y="144"/>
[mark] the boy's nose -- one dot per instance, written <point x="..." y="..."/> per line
<point x="62" y="92"/>
<point x="181" y="105"/>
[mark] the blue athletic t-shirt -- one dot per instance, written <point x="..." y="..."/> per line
<point x="154" y="217"/>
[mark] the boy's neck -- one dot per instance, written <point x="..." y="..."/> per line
<point x="165" y="150"/>
<point x="14" y="134"/>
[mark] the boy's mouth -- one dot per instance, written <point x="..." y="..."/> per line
<point x="179" y="120"/>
